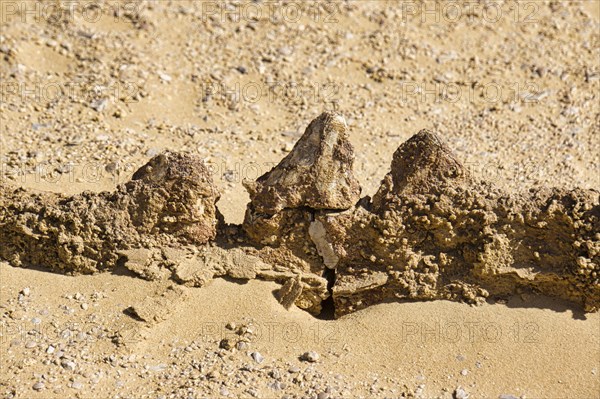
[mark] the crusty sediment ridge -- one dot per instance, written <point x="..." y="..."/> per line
<point x="169" y="201"/>
<point x="431" y="231"/>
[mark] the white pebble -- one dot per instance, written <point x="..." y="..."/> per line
<point x="258" y="358"/>
<point x="310" y="356"/>
<point x="38" y="386"/>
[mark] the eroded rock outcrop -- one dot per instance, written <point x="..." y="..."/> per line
<point x="433" y="232"/>
<point x="316" y="176"/>
<point x="169" y="201"/>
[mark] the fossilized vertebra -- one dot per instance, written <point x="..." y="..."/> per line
<point x="316" y="174"/>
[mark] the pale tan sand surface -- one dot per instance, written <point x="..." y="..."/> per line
<point x="90" y="93"/>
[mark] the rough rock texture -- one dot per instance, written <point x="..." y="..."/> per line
<point x="317" y="175"/>
<point x="169" y="201"/>
<point x="432" y="232"/>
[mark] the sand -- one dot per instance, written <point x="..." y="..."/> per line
<point x="162" y="76"/>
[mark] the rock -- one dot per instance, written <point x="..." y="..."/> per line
<point x="225" y="344"/>
<point x="99" y="105"/>
<point x="157" y="308"/>
<point x="290" y="292"/>
<point x="422" y="164"/>
<point x="68" y="364"/>
<point x="144" y="262"/>
<point x="317" y="174"/>
<point x="169" y="201"/>
<point x="257" y="357"/>
<point x="433" y="232"/>
<point x="38" y="386"/>
<point x="311" y="357"/>
<point x="231" y="326"/>
<point x="460" y="393"/>
<point x="240" y="265"/>
<point x="192" y="271"/>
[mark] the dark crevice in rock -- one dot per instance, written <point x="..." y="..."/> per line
<point x="328" y="305"/>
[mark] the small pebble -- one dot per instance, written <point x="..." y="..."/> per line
<point x="164" y="77"/>
<point x="258" y="358"/>
<point x="285" y="51"/>
<point x="310" y="357"/>
<point x="26" y="291"/>
<point x="99" y="105"/>
<point x="230" y="326"/>
<point x="68" y="364"/>
<point x="460" y="393"/>
<point x="464" y="372"/>
<point x="38" y="386"/>
<point x="225" y="344"/>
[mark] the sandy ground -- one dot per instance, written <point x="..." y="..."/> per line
<point x="89" y="93"/>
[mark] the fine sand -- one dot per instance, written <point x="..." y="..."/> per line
<point x="89" y="95"/>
